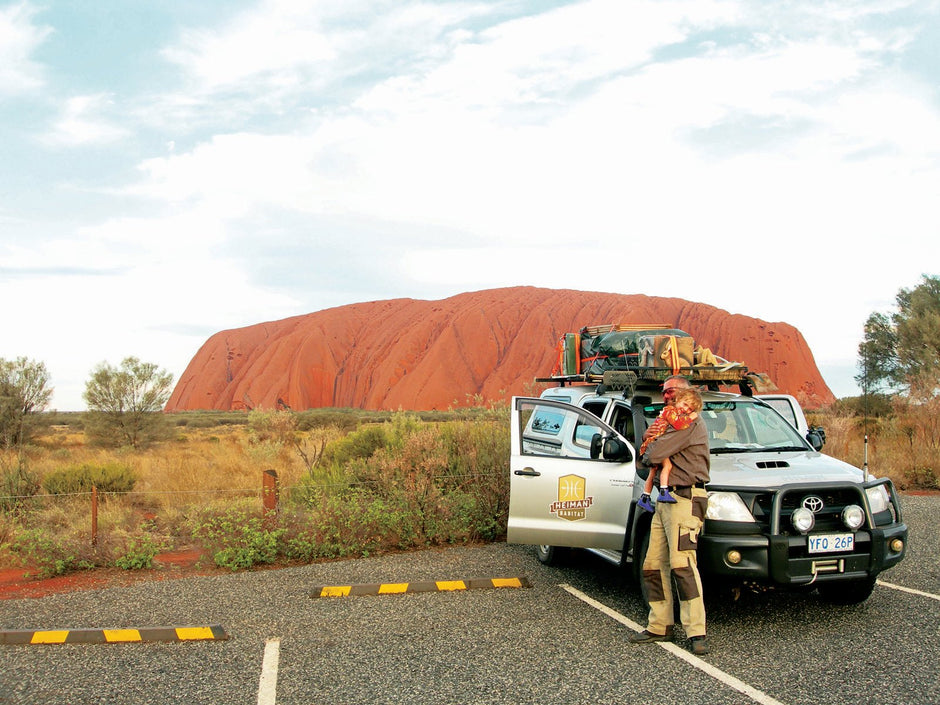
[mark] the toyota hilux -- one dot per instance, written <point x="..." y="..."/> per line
<point x="780" y="513"/>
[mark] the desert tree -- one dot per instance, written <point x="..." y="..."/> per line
<point x="24" y="393"/>
<point x="125" y="403"/>
<point x="900" y="353"/>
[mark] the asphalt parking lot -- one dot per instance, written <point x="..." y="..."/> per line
<point x="558" y="637"/>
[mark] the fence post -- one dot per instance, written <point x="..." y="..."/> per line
<point x="94" y="515"/>
<point x="269" y="496"/>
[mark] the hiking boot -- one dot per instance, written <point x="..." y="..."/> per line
<point x="647" y="637"/>
<point x="644" y="504"/>
<point x="699" y="645"/>
<point x="664" y="496"/>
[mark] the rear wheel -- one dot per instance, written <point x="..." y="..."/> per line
<point x="847" y="592"/>
<point x="551" y="555"/>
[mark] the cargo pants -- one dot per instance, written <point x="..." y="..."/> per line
<point x="674" y="535"/>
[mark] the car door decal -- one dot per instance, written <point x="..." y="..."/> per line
<point x="572" y="503"/>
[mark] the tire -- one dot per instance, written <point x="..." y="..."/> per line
<point x="551" y="555"/>
<point x="847" y="592"/>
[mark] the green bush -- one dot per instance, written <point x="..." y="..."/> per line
<point x="107" y="478"/>
<point x="236" y="536"/>
<point x="49" y="554"/>
<point x="354" y="522"/>
<point x="358" y="445"/>
<point x="138" y="553"/>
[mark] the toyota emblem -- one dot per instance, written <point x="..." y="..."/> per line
<point x="813" y="503"/>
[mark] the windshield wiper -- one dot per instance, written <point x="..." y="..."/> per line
<point x="755" y="449"/>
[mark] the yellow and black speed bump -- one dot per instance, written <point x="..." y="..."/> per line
<point x="421" y="586"/>
<point x="111" y="636"/>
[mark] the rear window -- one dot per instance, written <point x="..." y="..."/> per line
<point x="782" y="407"/>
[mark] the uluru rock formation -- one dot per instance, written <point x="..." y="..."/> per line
<point x="485" y="345"/>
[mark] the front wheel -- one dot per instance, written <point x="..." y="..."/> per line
<point x="551" y="555"/>
<point x="847" y="592"/>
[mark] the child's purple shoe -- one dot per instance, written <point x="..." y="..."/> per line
<point x="664" y="496"/>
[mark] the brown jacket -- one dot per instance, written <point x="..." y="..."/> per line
<point x="688" y="450"/>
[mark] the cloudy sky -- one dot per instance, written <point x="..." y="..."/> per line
<point x="169" y="170"/>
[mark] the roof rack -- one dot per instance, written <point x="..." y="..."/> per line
<point x="711" y="377"/>
<point x="598" y="355"/>
<point x="659" y="374"/>
<point x="608" y="327"/>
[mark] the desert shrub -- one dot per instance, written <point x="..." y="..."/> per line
<point x="236" y="535"/>
<point x="133" y="430"/>
<point x="316" y="484"/>
<point x="478" y="468"/>
<point x="138" y="553"/>
<point x="110" y="477"/>
<point x="454" y="492"/>
<point x="18" y="483"/>
<point x="357" y="445"/>
<point x="352" y="522"/>
<point x="48" y="552"/>
<point x="276" y="427"/>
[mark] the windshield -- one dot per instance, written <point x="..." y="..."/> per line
<point x="743" y="426"/>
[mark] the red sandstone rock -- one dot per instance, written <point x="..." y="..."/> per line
<point x="489" y="345"/>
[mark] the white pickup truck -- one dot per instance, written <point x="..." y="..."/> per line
<point x="789" y="408"/>
<point x="780" y="513"/>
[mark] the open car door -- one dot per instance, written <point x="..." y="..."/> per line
<point x="571" y="477"/>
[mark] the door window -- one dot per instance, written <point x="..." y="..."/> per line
<point x="551" y="430"/>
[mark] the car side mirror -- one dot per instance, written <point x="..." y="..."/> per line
<point x="597" y="444"/>
<point x="612" y="447"/>
<point x="617" y="450"/>
<point x="816" y="438"/>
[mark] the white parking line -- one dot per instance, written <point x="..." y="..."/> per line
<point x="267" y="688"/>
<point x="910" y="590"/>
<point x="716" y="673"/>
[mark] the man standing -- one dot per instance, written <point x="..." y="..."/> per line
<point x="674" y="533"/>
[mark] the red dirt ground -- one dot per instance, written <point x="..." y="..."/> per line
<point x="15" y="582"/>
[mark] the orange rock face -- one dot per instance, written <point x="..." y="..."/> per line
<point x="480" y="346"/>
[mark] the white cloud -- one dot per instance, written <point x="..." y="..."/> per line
<point x="19" y="38"/>
<point x="82" y="122"/>
<point x="634" y="158"/>
<point x="285" y="43"/>
<point x="235" y="173"/>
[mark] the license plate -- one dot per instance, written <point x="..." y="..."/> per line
<point x="830" y="543"/>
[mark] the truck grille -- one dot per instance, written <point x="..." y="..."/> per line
<point x="828" y="517"/>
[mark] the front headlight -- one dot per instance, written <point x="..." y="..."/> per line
<point x="727" y="506"/>
<point x="802" y="519"/>
<point x="853" y="516"/>
<point x="877" y="498"/>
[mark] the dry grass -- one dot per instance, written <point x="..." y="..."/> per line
<point x="200" y="461"/>
<point x="904" y="447"/>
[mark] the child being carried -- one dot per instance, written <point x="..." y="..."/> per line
<point x="677" y="417"/>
